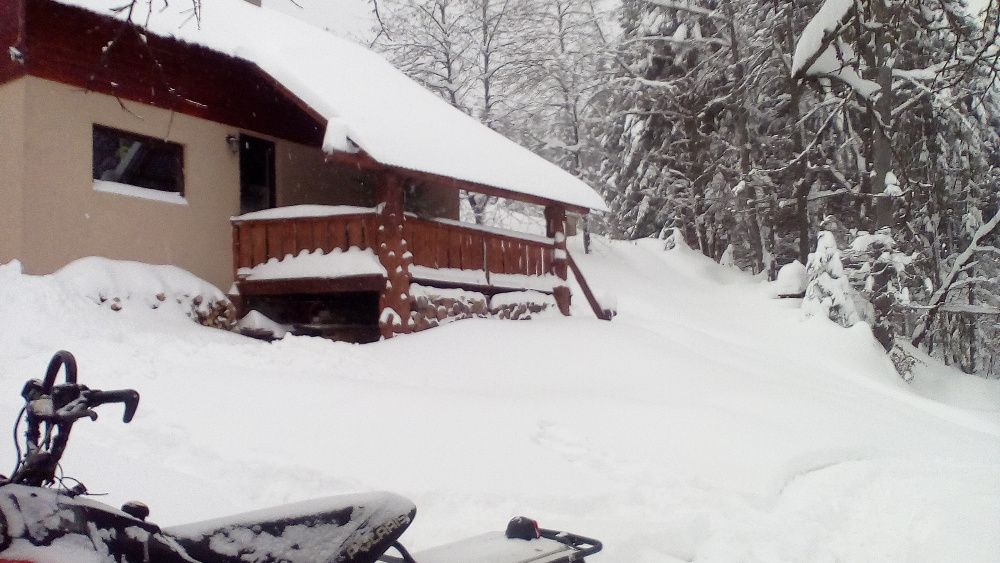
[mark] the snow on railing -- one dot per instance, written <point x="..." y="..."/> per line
<point x="275" y="233"/>
<point x="445" y="244"/>
<point x="317" y="264"/>
<point x="304" y="212"/>
<point x="433" y="244"/>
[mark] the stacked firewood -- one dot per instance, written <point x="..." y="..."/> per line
<point x="517" y="311"/>
<point x="213" y="313"/>
<point x="429" y="308"/>
<point x="428" y="311"/>
<point x="219" y="313"/>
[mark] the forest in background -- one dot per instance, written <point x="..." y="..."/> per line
<point x="859" y="138"/>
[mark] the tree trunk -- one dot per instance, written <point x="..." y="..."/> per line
<point x="881" y="158"/>
<point x="795" y="176"/>
<point x="746" y="199"/>
<point x="696" y="174"/>
<point x="478" y="204"/>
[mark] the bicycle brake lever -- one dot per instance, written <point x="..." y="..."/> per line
<point x="75" y="410"/>
<point x="128" y="397"/>
<point x="131" y="405"/>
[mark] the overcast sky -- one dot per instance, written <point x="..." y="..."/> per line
<point x="352" y="18"/>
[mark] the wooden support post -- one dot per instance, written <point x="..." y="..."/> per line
<point x="391" y="249"/>
<point x="237" y="298"/>
<point x="555" y="228"/>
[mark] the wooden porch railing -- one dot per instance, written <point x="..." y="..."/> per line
<point x="433" y="244"/>
<point x="256" y="241"/>
<point x="445" y="244"/>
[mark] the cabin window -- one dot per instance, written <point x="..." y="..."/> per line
<point x="137" y="160"/>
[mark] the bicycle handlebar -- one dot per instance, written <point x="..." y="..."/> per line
<point x="93" y="397"/>
<point x="60" y="359"/>
<point x="58" y="407"/>
<point x="129" y="397"/>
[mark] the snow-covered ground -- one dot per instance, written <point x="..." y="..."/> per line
<point x="707" y="422"/>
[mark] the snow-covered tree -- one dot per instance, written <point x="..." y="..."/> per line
<point x="752" y="126"/>
<point x="662" y="136"/>
<point x="430" y="40"/>
<point x="892" y="63"/>
<point x="570" y="53"/>
<point x="829" y="293"/>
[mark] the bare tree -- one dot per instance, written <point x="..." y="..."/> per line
<point x="479" y="55"/>
<point x="430" y="41"/>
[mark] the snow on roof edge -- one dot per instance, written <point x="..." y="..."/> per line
<point x="435" y="137"/>
<point x="343" y="130"/>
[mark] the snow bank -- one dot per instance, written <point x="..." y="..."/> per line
<point x="256" y="322"/>
<point x="708" y="422"/>
<point x="792" y="280"/>
<point x="119" y="285"/>
<point x="950" y="385"/>
<point x="366" y="101"/>
<point x="10" y="271"/>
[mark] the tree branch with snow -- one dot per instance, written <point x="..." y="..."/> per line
<point x="961" y="262"/>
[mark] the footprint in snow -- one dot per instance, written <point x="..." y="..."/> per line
<point x="559" y="440"/>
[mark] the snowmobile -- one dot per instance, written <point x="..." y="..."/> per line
<point x="43" y="520"/>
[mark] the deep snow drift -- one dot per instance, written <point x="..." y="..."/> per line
<point x="708" y="422"/>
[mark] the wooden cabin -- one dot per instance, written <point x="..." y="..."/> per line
<point x="261" y="154"/>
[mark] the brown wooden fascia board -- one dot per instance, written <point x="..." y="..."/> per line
<point x="12" y="40"/>
<point x="63" y="44"/>
<point x="294" y="98"/>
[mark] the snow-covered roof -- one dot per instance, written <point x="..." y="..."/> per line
<point x="363" y="97"/>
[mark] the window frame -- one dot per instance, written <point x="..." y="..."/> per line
<point x="177" y="150"/>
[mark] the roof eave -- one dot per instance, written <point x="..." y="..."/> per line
<point x="363" y="161"/>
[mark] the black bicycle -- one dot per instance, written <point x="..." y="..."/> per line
<point x="42" y="520"/>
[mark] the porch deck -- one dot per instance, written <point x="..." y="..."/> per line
<point x="353" y="254"/>
<point x="443" y="253"/>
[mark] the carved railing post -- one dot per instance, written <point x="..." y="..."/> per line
<point x="236" y="298"/>
<point x="555" y="228"/>
<point x="391" y="249"/>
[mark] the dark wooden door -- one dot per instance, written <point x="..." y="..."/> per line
<point x="257" y="179"/>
